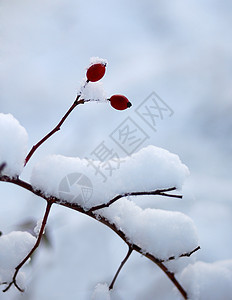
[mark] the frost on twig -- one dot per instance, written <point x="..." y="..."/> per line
<point x="93" y="91"/>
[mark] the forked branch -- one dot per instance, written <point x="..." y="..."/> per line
<point x="120" y="267"/>
<point x="112" y="226"/>
<point x="51" y="200"/>
<point x="156" y="192"/>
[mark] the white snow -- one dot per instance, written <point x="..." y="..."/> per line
<point x="13" y="145"/>
<point x="158" y="232"/>
<point x="97" y="60"/>
<point x="14" y="246"/>
<point x="101" y="292"/>
<point x="93" y="91"/>
<point x="208" y="280"/>
<point x="76" y="180"/>
<point x="38" y="227"/>
<point x="182" y="49"/>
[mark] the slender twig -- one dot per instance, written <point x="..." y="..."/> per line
<point x="135" y="247"/>
<point x="2" y="167"/>
<point x="120" y="267"/>
<point x="188" y="254"/>
<point x="55" y="129"/>
<point x="156" y="192"/>
<point x="191" y="252"/>
<point x="172" y="277"/>
<point x="19" y="266"/>
<point x="106" y="222"/>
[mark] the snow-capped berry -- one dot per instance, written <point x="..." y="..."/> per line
<point x="96" y="72"/>
<point x="119" y="102"/>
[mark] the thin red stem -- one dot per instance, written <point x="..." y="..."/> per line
<point x="54" y="130"/>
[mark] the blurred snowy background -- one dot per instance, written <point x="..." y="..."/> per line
<point x="179" y="49"/>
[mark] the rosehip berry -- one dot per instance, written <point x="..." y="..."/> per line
<point x="119" y="102"/>
<point x="95" y="72"/>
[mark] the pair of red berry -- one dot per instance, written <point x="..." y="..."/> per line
<point x="94" y="73"/>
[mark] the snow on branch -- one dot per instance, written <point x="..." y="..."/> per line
<point x="159" y="235"/>
<point x="159" y="232"/>
<point x="150" y="169"/>
<point x="114" y="220"/>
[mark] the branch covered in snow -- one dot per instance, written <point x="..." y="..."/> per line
<point x="125" y="236"/>
<point x="159" y="235"/>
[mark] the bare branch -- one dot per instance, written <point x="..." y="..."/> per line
<point x="46" y="214"/>
<point x="55" y="129"/>
<point x="188" y="254"/>
<point x="156" y="192"/>
<point x="120" y="267"/>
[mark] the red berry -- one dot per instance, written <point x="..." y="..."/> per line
<point x="96" y="72"/>
<point x="119" y="102"/>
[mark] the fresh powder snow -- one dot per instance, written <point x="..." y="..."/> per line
<point x="97" y="60"/>
<point x="101" y="292"/>
<point x="161" y="233"/>
<point x="93" y="91"/>
<point x="14" y="246"/>
<point x="77" y="181"/>
<point x="208" y="280"/>
<point x="13" y="145"/>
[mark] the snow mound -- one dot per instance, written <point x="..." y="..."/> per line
<point x="101" y="292"/>
<point x="13" y="145"/>
<point x="13" y="248"/>
<point x="161" y="233"/>
<point x="76" y="180"/>
<point x="208" y="280"/>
